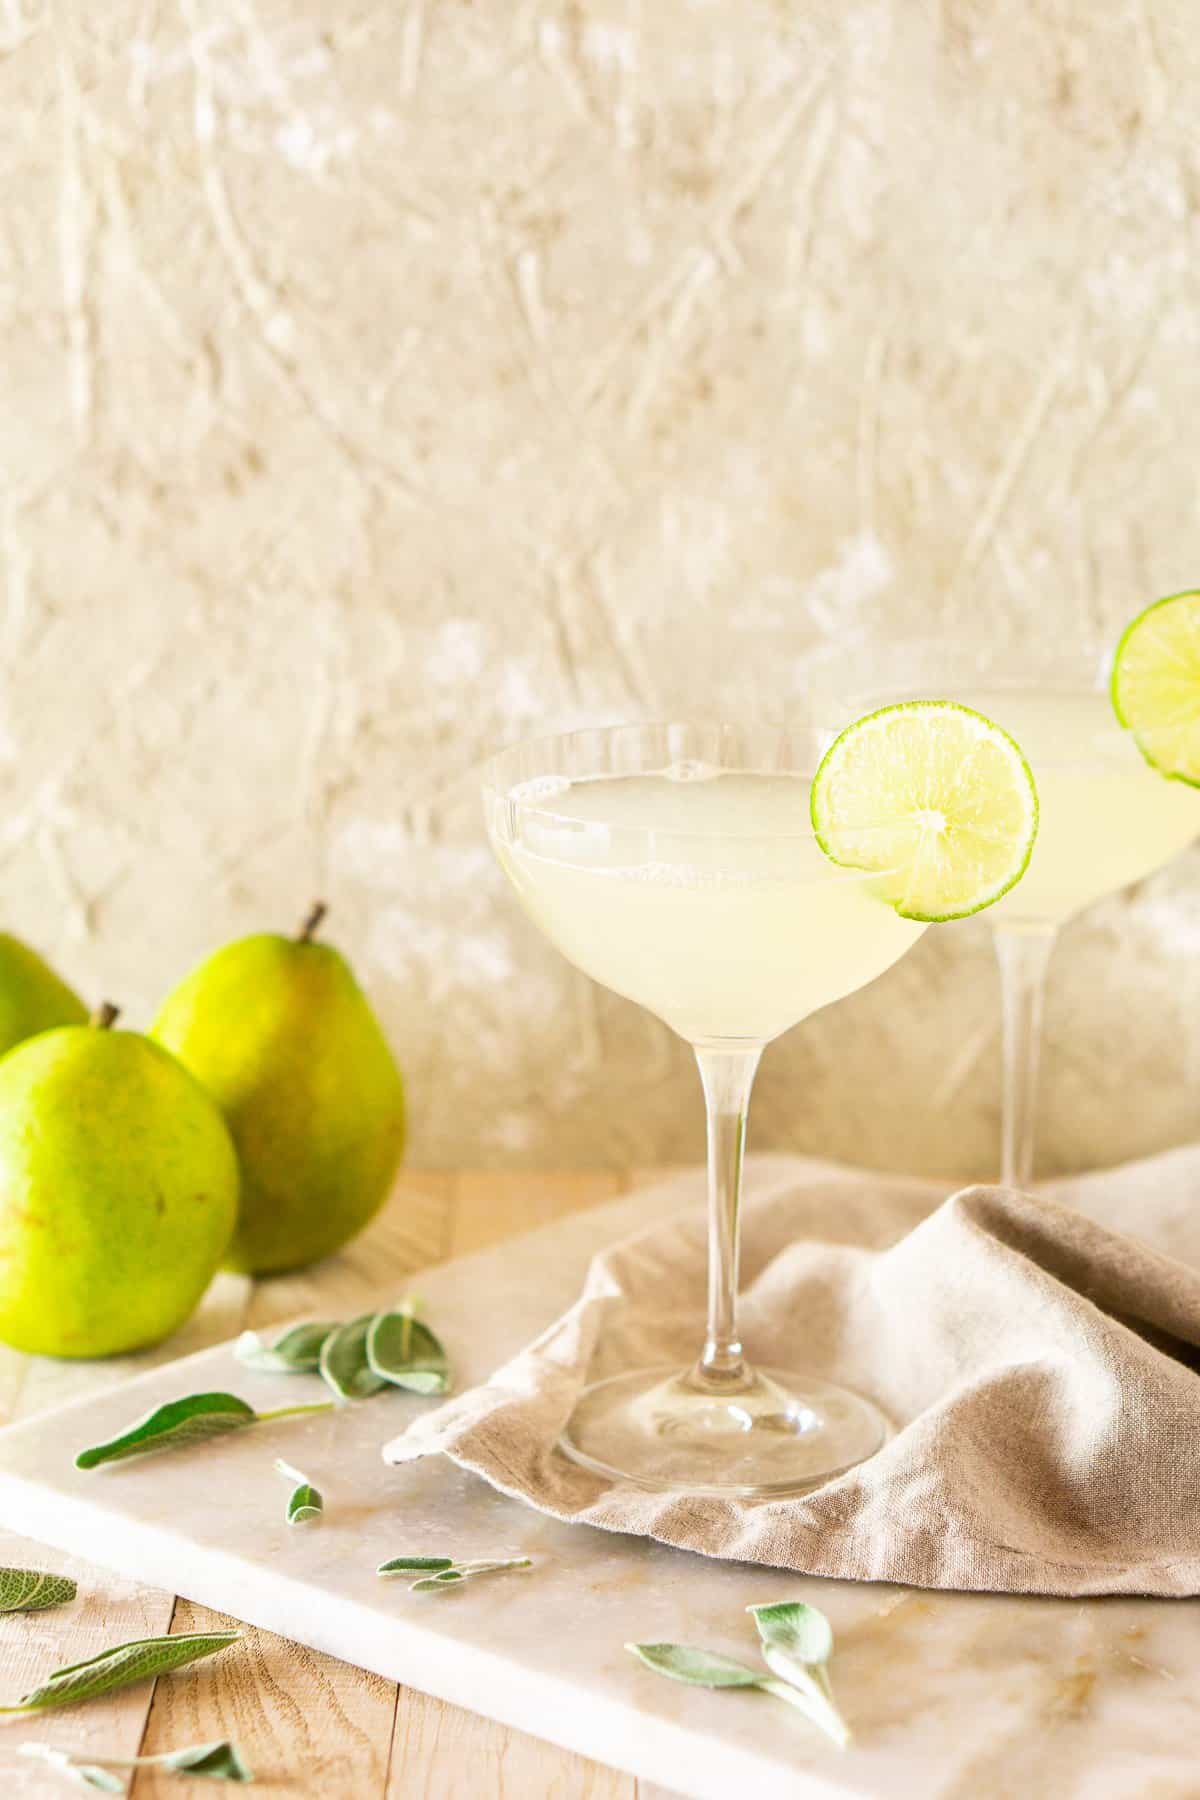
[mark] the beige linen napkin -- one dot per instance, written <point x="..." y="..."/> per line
<point x="1038" y="1355"/>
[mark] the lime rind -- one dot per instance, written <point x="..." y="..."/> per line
<point x="1156" y="670"/>
<point x="906" y="850"/>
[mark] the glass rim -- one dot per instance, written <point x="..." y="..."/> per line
<point x="533" y="806"/>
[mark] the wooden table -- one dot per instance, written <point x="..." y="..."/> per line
<point x="307" y="1724"/>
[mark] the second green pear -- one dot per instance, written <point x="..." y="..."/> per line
<point x="282" y="1036"/>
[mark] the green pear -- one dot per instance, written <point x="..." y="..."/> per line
<point x="118" y="1191"/>
<point x="32" y="998"/>
<point x="282" y="1036"/>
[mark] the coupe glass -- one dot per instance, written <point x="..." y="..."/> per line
<point x="675" y="864"/>
<point x="1105" y="817"/>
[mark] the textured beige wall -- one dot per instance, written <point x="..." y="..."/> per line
<point x="385" y="381"/>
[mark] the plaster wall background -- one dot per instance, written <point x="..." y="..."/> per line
<point x="384" y="382"/>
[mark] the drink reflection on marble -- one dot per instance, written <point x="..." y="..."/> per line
<point x="676" y="865"/>
<point x="1106" y="819"/>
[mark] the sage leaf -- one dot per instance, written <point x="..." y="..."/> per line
<point x="294" y="1351"/>
<point x="119" y="1667"/>
<point x="306" y="1501"/>
<point x="804" y="1631"/>
<point x="698" y="1668"/>
<point x="407" y="1564"/>
<point x="405" y="1353"/>
<point x="704" y="1668"/>
<point x="171" y="1426"/>
<point x="33" y="1590"/>
<point x="344" y="1366"/>
<point x="797" y="1642"/>
<point x="220" y="1761"/>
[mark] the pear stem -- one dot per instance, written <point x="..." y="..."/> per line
<point x="316" y="913"/>
<point x="105" y="1015"/>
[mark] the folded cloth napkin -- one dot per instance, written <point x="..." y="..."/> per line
<point x="1038" y="1354"/>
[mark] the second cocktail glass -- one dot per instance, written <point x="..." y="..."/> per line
<point x="675" y="864"/>
<point x="1106" y="818"/>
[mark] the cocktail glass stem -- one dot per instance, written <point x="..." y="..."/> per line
<point x="1023" y="952"/>
<point x="728" y="1076"/>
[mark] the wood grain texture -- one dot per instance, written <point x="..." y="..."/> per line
<point x="443" y="1753"/>
<point x="306" y="1723"/>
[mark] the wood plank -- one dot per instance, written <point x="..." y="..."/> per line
<point x="496" y="1204"/>
<point x="107" y="1610"/>
<point x="443" y="1753"/>
<point x="306" y="1723"/>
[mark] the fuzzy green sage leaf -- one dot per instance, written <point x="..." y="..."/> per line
<point x="405" y="1353"/>
<point x="698" y="1668"/>
<point x="797" y="1642"/>
<point x="192" y="1420"/>
<point x="802" y="1630"/>
<point x="119" y="1667"/>
<point x="33" y="1590"/>
<point x="220" y="1761"/>
<point x="171" y="1426"/>
<point x="294" y="1351"/>
<point x="406" y="1565"/>
<point x="344" y="1366"/>
<point x="305" y="1502"/>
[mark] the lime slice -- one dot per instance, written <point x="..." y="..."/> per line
<point x="936" y="798"/>
<point x="1156" y="685"/>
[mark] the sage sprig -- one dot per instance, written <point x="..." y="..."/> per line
<point x="220" y="1761"/>
<point x="119" y="1667"/>
<point x="191" y="1420"/>
<point x="355" y="1358"/>
<point x="33" y="1590"/>
<point x="294" y="1351"/>
<point x="440" y="1572"/>
<point x="796" y="1643"/>
<point x="305" y="1502"/>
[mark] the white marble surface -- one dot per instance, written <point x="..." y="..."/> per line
<point x="952" y="1697"/>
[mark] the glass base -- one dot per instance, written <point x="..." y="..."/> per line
<point x="779" y="1434"/>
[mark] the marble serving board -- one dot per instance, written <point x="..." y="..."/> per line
<point x="949" y="1695"/>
